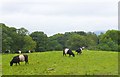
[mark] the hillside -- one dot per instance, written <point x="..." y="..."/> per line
<point x="54" y="63"/>
<point x="0" y="64"/>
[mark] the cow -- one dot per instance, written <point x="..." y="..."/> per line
<point x="7" y="51"/>
<point x="29" y="51"/>
<point x="18" y="59"/>
<point x="18" y="52"/>
<point x="79" y="50"/>
<point x="68" y="51"/>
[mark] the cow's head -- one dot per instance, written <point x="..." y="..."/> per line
<point x="11" y="63"/>
<point x="73" y="55"/>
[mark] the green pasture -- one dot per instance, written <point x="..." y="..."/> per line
<point x="0" y="64"/>
<point x="54" y="63"/>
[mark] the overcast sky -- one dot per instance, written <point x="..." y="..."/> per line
<point x="59" y="16"/>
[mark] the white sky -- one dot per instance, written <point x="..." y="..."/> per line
<point x="59" y="16"/>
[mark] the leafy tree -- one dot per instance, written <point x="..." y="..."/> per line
<point x="91" y="41"/>
<point x="0" y="38"/>
<point x="81" y="33"/>
<point x="109" y="40"/>
<point x="54" y="45"/>
<point x="56" y="42"/>
<point x="79" y="39"/>
<point x="75" y="41"/>
<point x="118" y="48"/>
<point x="29" y="44"/>
<point x="14" y="39"/>
<point x="22" y="31"/>
<point x="6" y="39"/>
<point x="41" y="41"/>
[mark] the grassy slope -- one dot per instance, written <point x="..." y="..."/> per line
<point x="0" y="64"/>
<point x="53" y="63"/>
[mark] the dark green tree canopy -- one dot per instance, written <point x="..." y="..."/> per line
<point x="14" y="39"/>
<point x="41" y="40"/>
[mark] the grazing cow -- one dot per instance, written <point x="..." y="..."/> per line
<point x="18" y="52"/>
<point x="29" y="51"/>
<point x="18" y="59"/>
<point x="68" y="51"/>
<point x="7" y="51"/>
<point x="79" y="50"/>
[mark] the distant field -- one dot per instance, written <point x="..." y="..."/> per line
<point x="54" y="63"/>
<point x="0" y="64"/>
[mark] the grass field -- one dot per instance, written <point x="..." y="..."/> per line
<point x="0" y="64"/>
<point x="54" y="63"/>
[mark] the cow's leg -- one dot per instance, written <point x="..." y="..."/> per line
<point x="80" y="52"/>
<point x="19" y="63"/>
<point x="63" y="54"/>
<point x="26" y="61"/>
<point x="16" y="64"/>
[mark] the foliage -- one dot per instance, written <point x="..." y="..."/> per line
<point x="41" y="40"/>
<point x="56" y="42"/>
<point x="29" y="44"/>
<point x="14" y="39"/>
<point x="109" y="40"/>
<point x="75" y="41"/>
<point x="54" y="45"/>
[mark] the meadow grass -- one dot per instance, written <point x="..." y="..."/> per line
<point x="54" y="63"/>
<point x="0" y="65"/>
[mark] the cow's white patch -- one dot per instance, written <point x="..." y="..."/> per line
<point x="21" y="57"/>
<point x="81" y="49"/>
<point x="66" y="50"/>
<point x="29" y="51"/>
<point x="19" y="51"/>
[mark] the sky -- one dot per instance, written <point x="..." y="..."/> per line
<point x="59" y="16"/>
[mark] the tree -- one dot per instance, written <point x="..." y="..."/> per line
<point x="91" y="41"/>
<point x="75" y="41"/>
<point x="81" y="33"/>
<point x="56" y="42"/>
<point x="14" y="39"/>
<point x="41" y="41"/>
<point x="109" y="40"/>
<point x="54" y="45"/>
<point x="22" y="31"/>
<point x="29" y="44"/>
<point x="6" y="39"/>
<point x="0" y="38"/>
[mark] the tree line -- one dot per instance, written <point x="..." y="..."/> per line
<point x="20" y="39"/>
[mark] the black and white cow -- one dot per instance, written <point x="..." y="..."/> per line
<point x="79" y="50"/>
<point x="68" y="51"/>
<point x="29" y="51"/>
<point x="7" y="51"/>
<point x="18" y="52"/>
<point x="18" y="59"/>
